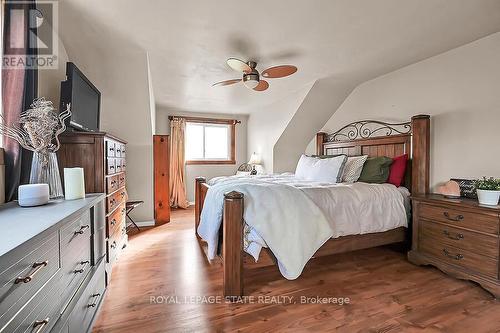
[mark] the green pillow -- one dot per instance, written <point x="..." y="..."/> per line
<point x="376" y="170"/>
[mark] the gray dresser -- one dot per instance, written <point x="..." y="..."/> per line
<point x="52" y="265"/>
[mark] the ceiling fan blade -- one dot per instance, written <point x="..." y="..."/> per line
<point x="238" y="65"/>
<point x="279" y="71"/>
<point x="263" y="85"/>
<point x="226" y="83"/>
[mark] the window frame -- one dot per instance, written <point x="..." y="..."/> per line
<point x="232" y="138"/>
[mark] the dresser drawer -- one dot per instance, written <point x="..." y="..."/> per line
<point x="112" y="184"/>
<point x="124" y="151"/>
<point x="84" y="311"/>
<point x="110" y="149"/>
<point x="75" y="253"/>
<point x="79" y="226"/>
<point x="98" y="245"/>
<point x="113" y="200"/>
<point x="110" y="166"/>
<point x="115" y="220"/>
<point x="115" y="243"/>
<point x="118" y="150"/>
<point x="118" y="164"/>
<point x="121" y="179"/>
<point x="473" y="221"/>
<point x="460" y="238"/>
<point x="120" y="195"/>
<point x="459" y="257"/>
<point x="20" y="281"/>
<point x="41" y="313"/>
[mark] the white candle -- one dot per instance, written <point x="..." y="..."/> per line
<point x="74" y="183"/>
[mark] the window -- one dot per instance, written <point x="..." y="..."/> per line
<point x="210" y="141"/>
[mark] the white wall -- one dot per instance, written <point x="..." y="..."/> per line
<point x="49" y="80"/>
<point x="316" y="108"/>
<point x="208" y="171"/>
<point x="266" y="125"/>
<point x="460" y="89"/>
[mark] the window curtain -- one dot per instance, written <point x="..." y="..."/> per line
<point x="177" y="163"/>
<point x="19" y="88"/>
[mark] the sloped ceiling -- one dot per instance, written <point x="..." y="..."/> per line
<point x="188" y="41"/>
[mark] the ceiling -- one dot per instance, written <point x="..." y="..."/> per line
<point x="188" y="41"/>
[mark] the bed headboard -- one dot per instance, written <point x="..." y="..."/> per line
<point x="376" y="138"/>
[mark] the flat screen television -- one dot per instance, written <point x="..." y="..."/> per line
<point x="85" y="100"/>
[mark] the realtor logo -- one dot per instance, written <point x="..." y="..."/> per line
<point x="31" y="35"/>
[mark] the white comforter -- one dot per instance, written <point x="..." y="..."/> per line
<point x="294" y="217"/>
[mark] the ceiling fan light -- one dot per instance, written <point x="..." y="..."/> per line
<point x="251" y="80"/>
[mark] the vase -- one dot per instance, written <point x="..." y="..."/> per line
<point x="45" y="170"/>
<point x="486" y="197"/>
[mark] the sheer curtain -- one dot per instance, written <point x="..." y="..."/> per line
<point x="177" y="162"/>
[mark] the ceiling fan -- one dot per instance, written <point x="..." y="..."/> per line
<point x="251" y="76"/>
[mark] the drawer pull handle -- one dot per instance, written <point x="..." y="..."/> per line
<point x="37" y="267"/>
<point x="82" y="230"/>
<point x="94" y="303"/>
<point x="81" y="270"/>
<point x="113" y="222"/>
<point x="457" y="237"/>
<point x="455" y="257"/>
<point x="456" y="218"/>
<point x="113" y="245"/>
<point x="40" y="324"/>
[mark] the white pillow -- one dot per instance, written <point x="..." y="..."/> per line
<point x="353" y="168"/>
<point x="328" y="170"/>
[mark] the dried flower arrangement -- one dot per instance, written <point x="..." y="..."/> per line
<point x="39" y="127"/>
<point x="38" y="130"/>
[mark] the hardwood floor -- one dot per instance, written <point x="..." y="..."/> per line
<point x="386" y="292"/>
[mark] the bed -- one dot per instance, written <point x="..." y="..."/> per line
<point x="372" y="138"/>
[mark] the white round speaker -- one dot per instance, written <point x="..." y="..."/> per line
<point x="33" y="195"/>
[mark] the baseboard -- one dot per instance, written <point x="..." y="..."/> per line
<point x="146" y="223"/>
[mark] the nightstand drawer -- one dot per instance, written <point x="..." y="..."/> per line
<point x="459" y="257"/>
<point x="473" y="221"/>
<point x="460" y="238"/>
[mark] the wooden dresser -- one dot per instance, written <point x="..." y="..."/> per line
<point x="460" y="237"/>
<point x="103" y="158"/>
<point x="52" y="265"/>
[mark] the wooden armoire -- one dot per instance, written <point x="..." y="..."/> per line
<point x="103" y="159"/>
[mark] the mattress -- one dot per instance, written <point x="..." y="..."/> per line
<point x="350" y="208"/>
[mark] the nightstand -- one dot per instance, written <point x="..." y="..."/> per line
<point x="458" y="236"/>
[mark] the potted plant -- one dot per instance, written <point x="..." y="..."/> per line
<point x="488" y="191"/>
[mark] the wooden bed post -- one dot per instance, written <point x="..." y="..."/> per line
<point x="320" y="140"/>
<point x="420" y="154"/>
<point x="198" y="204"/>
<point x="232" y="247"/>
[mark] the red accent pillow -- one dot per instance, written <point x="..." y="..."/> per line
<point x="397" y="170"/>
